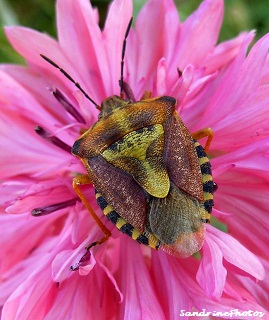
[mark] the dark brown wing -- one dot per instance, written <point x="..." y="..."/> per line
<point x="181" y="159"/>
<point x="176" y="222"/>
<point x="120" y="190"/>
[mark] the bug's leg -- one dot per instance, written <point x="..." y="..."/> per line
<point x="206" y="132"/>
<point x="77" y="182"/>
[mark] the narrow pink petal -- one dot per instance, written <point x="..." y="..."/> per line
<point x="90" y="297"/>
<point x="161" y="88"/>
<point x="77" y="227"/>
<point x="199" y="82"/>
<point x="211" y="274"/>
<point x="32" y="299"/>
<point x="61" y="265"/>
<point x="41" y="194"/>
<point x="11" y="279"/>
<point x="152" y="44"/>
<point x="265" y="78"/>
<point x="182" y="85"/>
<point x="171" y="287"/>
<point x="258" y="290"/>
<point x="32" y="273"/>
<point x="240" y="93"/>
<point x="22" y="233"/>
<point x="83" y="39"/>
<point x="199" y="33"/>
<point x="247" y="209"/>
<point x="113" y="44"/>
<point x="30" y="44"/>
<point x="21" y="99"/>
<point x="171" y="34"/>
<point x="225" y="52"/>
<point x="254" y="62"/>
<point x="24" y="98"/>
<point x="252" y="114"/>
<point x="35" y="146"/>
<point x="136" y="285"/>
<point x="48" y="107"/>
<point x="113" y="281"/>
<point x="235" y="253"/>
<point x="225" y="304"/>
<point x="11" y="189"/>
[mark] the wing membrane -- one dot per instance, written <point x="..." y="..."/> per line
<point x="176" y="222"/>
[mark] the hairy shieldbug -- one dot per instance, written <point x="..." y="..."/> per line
<point x="152" y="178"/>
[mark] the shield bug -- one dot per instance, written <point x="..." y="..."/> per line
<point x="151" y="176"/>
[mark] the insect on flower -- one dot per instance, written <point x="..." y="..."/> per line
<point x="151" y="177"/>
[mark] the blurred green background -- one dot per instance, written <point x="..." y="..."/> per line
<point x="40" y="15"/>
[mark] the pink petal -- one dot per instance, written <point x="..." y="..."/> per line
<point x="31" y="44"/>
<point x="32" y="299"/>
<point x="13" y="234"/>
<point x="247" y="209"/>
<point x="136" y="285"/>
<point x="161" y="78"/>
<point x="171" y="35"/>
<point x="171" y="287"/>
<point x="258" y="290"/>
<point x="113" y="45"/>
<point x="152" y="44"/>
<point x="241" y="93"/>
<point x="113" y="280"/>
<point x="197" y="39"/>
<point x="252" y="114"/>
<point x="19" y="82"/>
<point x="182" y="85"/>
<point x="90" y="297"/>
<point x="39" y="152"/>
<point x="225" y="304"/>
<point x="11" y="189"/>
<point x="83" y="39"/>
<point x="226" y="52"/>
<point x="39" y="195"/>
<point x="21" y="99"/>
<point x="211" y="274"/>
<point x="235" y="253"/>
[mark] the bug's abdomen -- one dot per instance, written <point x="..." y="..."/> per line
<point x="145" y="238"/>
<point x="208" y="186"/>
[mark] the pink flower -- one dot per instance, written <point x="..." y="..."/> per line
<point x="220" y="87"/>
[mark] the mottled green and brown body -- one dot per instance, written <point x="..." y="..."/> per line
<point x="153" y="179"/>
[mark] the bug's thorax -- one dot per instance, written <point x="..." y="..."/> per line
<point x="119" y="117"/>
<point x="130" y="136"/>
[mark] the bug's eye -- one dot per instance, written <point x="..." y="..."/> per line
<point x="215" y="187"/>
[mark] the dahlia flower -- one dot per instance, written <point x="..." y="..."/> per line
<point x="216" y="85"/>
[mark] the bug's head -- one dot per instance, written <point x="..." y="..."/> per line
<point x="110" y="105"/>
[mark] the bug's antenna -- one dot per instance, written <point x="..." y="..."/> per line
<point x="123" y="54"/>
<point x="71" y="79"/>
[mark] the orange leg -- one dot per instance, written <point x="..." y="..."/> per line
<point x="206" y="132"/>
<point x="77" y="182"/>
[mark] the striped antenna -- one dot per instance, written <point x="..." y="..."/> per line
<point x="71" y="79"/>
<point x="123" y="55"/>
